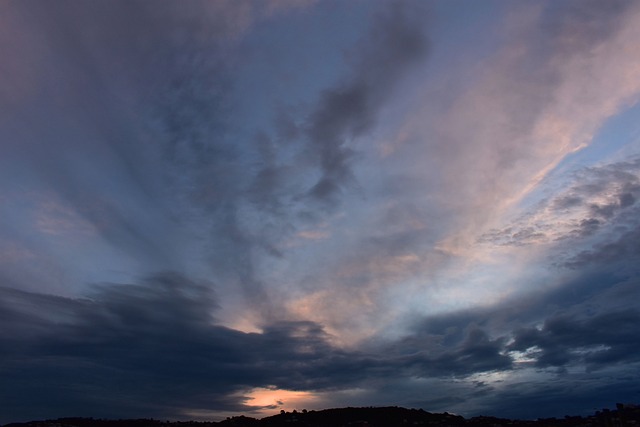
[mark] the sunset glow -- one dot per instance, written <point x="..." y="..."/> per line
<point x="274" y="400"/>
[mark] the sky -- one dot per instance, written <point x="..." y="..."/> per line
<point x="213" y="208"/>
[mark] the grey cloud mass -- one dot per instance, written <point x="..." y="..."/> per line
<point x="159" y="339"/>
<point x="158" y="342"/>
<point x="597" y="342"/>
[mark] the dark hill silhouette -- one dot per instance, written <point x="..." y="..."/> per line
<point x="623" y="415"/>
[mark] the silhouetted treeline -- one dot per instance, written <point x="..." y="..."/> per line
<point x="623" y="415"/>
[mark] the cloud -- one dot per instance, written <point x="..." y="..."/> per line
<point x="141" y="138"/>
<point x="569" y="394"/>
<point x="253" y="193"/>
<point x="540" y="97"/>
<point x="155" y="346"/>
<point x="254" y="209"/>
<point x="595" y="199"/>
<point x="477" y="353"/>
<point x="621" y="250"/>
<point x="92" y="150"/>
<point x="136" y="139"/>
<point x="342" y="267"/>
<point x="397" y="41"/>
<point x="597" y="342"/>
<point x="153" y="342"/>
<point x="464" y="161"/>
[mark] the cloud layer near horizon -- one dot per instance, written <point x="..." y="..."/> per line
<point x="367" y="203"/>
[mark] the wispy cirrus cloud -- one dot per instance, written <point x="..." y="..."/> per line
<point x="524" y="117"/>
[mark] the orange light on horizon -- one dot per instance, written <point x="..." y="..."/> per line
<point x="273" y="400"/>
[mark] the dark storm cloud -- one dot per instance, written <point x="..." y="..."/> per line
<point x="477" y="353"/>
<point x="148" y="348"/>
<point x="396" y="42"/>
<point x="585" y="322"/>
<point x="579" y="336"/>
<point x="154" y="349"/>
<point x="623" y="249"/>
<point x="597" y="342"/>
<point x="565" y="395"/>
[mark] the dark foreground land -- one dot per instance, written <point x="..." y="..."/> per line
<point x="624" y="415"/>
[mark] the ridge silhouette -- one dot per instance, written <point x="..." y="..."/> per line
<point x="393" y="416"/>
